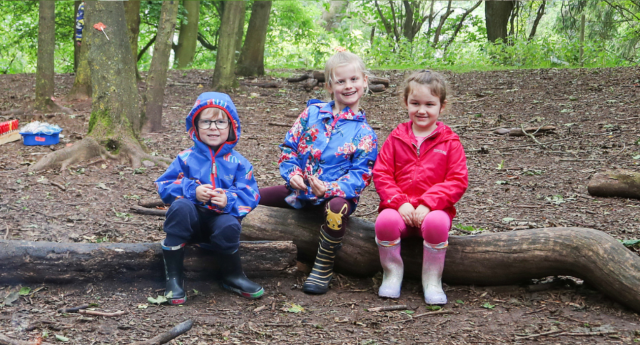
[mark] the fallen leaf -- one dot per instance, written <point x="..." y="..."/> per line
<point x="102" y="186"/>
<point x="12" y="297"/>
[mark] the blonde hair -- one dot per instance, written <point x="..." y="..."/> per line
<point x="343" y="58"/>
<point x="433" y="80"/>
<point x="215" y="112"/>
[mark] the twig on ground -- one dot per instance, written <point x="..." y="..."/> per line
<point x="73" y="310"/>
<point x="279" y="124"/>
<point x="532" y="135"/>
<point x="583" y="334"/>
<point x="520" y="337"/>
<point x="437" y="312"/>
<point x="389" y="308"/>
<point x="168" y="336"/>
<point x="62" y="187"/>
<point x="101" y="313"/>
<point x="6" y="234"/>
<point x="149" y="211"/>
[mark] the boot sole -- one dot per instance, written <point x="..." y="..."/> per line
<point x="249" y="295"/>
<point x="177" y="301"/>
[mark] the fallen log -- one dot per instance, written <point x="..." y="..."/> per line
<point x="377" y="87"/>
<point x="266" y="84"/>
<point x="620" y="183"/>
<point x="149" y="211"/>
<point x="491" y="259"/>
<point x="319" y="76"/>
<point x="49" y="262"/>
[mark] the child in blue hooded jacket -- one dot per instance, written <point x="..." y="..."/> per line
<point x="210" y="188"/>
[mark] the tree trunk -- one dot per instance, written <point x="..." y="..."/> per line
<point x="188" y="34"/>
<point x="240" y="32"/>
<point x="492" y="259"/>
<point x="333" y="17"/>
<point x="81" y="89"/>
<point x="223" y="74"/>
<point x="49" y="262"/>
<point x="157" y="76"/>
<point x="251" y="61"/>
<point x="617" y="183"/>
<point x="45" y="65"/>
<point x="132" y="14"/>
<point x="115" y="121"/>
<point x="497" y="15"/>
<point x="443" y="19"/>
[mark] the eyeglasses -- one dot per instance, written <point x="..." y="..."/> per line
<point x="220" y="124"/>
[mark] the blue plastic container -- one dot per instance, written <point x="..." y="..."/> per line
<point x="32" y="139"/>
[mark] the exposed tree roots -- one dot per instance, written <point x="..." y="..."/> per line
<point x="88" y="148"/>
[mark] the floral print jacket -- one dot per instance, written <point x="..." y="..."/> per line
<point x="340" y="150"/>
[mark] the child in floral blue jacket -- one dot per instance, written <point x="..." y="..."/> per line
<point x="327" y="160"/>
<point x="210" y="187"/>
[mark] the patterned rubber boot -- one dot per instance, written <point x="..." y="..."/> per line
<point x="392" y="267"/>
<point x="174" y="273"/>
<point x="318" y="281"/>
<point x="234" y="279"/>
<point x="432" y="266"/>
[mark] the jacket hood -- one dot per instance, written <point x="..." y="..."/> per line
<point x="442" y="133"/>
<point x="214" y="100"/>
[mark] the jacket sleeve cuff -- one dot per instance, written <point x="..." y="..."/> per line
<point x="396" y="201"/>
<point x="190" y="192"/>
<point x="231" y="201"/>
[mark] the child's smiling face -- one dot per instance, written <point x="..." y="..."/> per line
<point x="213" y="136"/>
<point x="424" y="109"/>
<point x="347" y="86"/>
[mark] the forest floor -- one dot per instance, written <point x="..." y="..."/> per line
<point x="515" y="183"/>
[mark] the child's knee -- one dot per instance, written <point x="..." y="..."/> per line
<point x="226" y="238"/>
<point x="435" y="227"/>
<point x="389" y="225"/>
<point x="181" y="208"/>
<point x="336" y="213"/>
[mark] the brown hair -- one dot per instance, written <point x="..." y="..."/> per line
<point x="433" y="80"/>
<point x="342" y="58"/>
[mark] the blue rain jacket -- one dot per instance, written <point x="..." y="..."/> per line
<point x="225" y="168"/>
<point x="340" y="150"/>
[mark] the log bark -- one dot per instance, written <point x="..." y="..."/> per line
<point x="491" y="259"/>
<point x="517" y="132"/>
<point x="377" y="88"/>
<point x="49" y="262"/>
<point x="620" y="183"/>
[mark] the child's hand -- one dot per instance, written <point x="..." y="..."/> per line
<point x="419" y="214"/>
<point x="297" y="182"/>
<point x="407" y="213"/>
<point x="219" y="198"/>
<point x="317" y="186"/>
<point x="204" y="192"/>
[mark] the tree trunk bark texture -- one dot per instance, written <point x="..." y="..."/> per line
<point x="492" y="259"/>
<point x="333" y="17"/>
<point x="620" y="183"/>
<point x="251" y="61"/>
<point x="223" y="74"/>
<point x="82" y="83"/>
<point x="50" y="262"/>
<point x="45" y="64"/>
<point x="187" y="41"/>
<point x="132" y="15"/>
<point x="496" y="18"/>
<point x="76" y="49"/>
<point x="240" y="32"/>
<point x="115" y="111"/>
<point x="157" y="76"/>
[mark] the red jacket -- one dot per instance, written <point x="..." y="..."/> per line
<point x="435" y="175"/>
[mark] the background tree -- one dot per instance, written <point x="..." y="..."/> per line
<point x="132" y="14"/>
<point x="76" y="49"/>
<point x="251" y="61"/>
<point x="187" y="40"/>
<point x="497" y="14"/>
<point x="333" y="16"/>
<point x="223" y="74"/>
<point x="115" y="121"/>
<point x="46" y="46"/>
<point x="240" y="32"/>
<point x="157" y="76"/>
<point x="82" y="83"/>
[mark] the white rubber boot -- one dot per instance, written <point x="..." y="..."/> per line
<point x="392" y="267"/>
<point x="432" y="266"/>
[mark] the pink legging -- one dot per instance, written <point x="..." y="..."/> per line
<point x="435" y="227"/>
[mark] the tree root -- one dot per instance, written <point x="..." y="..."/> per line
<point x="87" y="148"/>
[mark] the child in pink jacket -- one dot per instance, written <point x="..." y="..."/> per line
<point x="421" y="172"/>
